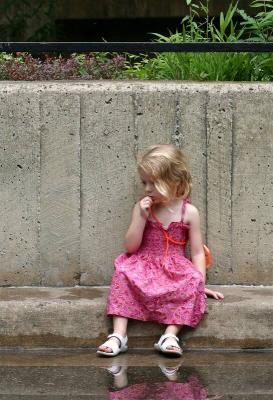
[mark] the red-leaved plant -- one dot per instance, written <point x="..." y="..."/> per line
<point x="23" y="66"/>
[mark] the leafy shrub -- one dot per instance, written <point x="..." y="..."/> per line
<point x="24" y="66"/>
<point x="178" y="66"/>
<point x="212" y="66"/>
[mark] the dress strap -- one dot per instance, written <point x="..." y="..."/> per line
<point x="184" y="202"/>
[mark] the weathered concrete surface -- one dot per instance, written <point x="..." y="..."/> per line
<point x="219" y="184"/>
<point x="190" y="133"/>
<point x="252" y="219"/>
<point x="59" y="374"/>
<point x="73" y="317"/>
<point x="20" y="187"/>
<point x="107" y="151"/>
<point x="60" y="189"/>
<point x="68" y="174"/>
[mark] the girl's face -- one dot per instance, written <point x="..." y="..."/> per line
<point x="150" y="189"/>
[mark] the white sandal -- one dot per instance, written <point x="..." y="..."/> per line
<point x="169" y="372"/>
<point x="116" y="349"/>
<point x="162" y="345"/>
<point x="117" y="370"/>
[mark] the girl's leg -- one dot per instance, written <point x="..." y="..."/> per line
<point x="121" y="379"/>
<point x="119" y="326"/>
<point x="174" y="329"/>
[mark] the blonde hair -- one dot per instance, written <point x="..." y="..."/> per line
<point x="166" y="166"/>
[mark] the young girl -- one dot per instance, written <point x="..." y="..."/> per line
<point x="153" y="280"/>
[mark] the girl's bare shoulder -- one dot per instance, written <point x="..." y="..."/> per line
<point x="191" y="214"/>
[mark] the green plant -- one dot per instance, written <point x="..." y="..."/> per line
<point x="211" y="66"/>
<point x="194" y="30"/>
<point x="196" y="66"/>
<point x="176" y="66"/>
<point x="260" y="27"/>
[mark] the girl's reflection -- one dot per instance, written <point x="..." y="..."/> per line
<point x="191" y="389"/>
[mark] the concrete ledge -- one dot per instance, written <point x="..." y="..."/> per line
<point x="74" y="317"/>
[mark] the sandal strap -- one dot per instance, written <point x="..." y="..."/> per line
<point x="123" y="340"/>
<point x="168" y="371"/>
<point x="166" y="336"/>
<point x="112" y="345"/>
<point x="113" y="370"/>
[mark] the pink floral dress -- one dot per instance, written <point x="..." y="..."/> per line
<point x="154" y="285"/>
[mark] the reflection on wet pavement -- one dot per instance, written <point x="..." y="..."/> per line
<point x="137" y="375"/>
<point x="190" y="388"/>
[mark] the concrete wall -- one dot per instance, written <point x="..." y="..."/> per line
<point x="68" y="182"/>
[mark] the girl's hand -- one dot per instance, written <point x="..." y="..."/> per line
<point x="144" y="204"/>
<point x="215" y="295"/>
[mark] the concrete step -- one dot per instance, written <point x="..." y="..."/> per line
<point x="75" y="317"/>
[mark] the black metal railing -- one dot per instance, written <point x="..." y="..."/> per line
<point x="134" y="47"/>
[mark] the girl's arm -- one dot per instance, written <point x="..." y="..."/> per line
<point x="195" y="238"/>
<point x="197" y="250"/>
<point x="133" y="237"/>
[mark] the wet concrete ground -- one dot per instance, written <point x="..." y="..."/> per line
<point x="137" y="375"/>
